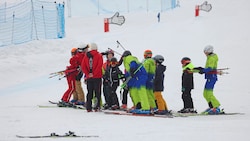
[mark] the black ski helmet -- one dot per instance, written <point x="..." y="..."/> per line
<point x="185" y="60"/>
<point x="113" y="59"/>
<point x="159" y="58"/>
<point x="126" y="53"/>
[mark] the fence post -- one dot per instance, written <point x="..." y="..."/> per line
<point x="33" y="19"/>
<point x="197" y="10"/>
<point x="13" y="26"/>
<point x="44" y="23"/>
<point x="106" y="25"/>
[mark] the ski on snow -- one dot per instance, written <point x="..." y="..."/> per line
<point x="70" y="134"/>
<point x="205" y="114"/>
<point x="173" y="114"/>
<point x="114" y="112"/>
<point x="61" y="106"/>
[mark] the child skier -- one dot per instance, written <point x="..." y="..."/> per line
<point x="187" y="85"/>
<point x="78" y="95"/>
<point x="112" y="78"/>
<point x="159" y="85"/>
<point x="106" y="88"/>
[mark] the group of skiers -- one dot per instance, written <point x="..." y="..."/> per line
<point x="144" y="81"/>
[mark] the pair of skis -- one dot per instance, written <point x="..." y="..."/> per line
<point x="62" y="106"/>
<point x="171" y="115"/>
<point x="177" y="114"/>
<point x="119" y="112"/>
<point x="61" y="74"/>
<point x="69" y="134"/>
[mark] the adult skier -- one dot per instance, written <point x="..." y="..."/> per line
<point x="137" y="84"/>
<point x="70" y="73"/>
<point x="78" y="94"/>
<point x="211" y="78"/>
<point x="150" y="67"/>
<point x="92" y="68"/>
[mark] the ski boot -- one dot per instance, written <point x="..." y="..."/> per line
<point x="212" y="111"/>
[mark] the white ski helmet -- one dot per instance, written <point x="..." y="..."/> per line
<point x="209" y="49"/>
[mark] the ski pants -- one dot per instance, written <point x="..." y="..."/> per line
<point x="209" y="95"/>
<point x="110" y="94"/>
<point x="161" y="103"/>
<point x="125" y="96"/>
<point x="78" y="94"/>
<point x="139" y="95"/>
<point x="93" y="87"/>
<point x="187" y="98"/>
<point x="71" y="88"/>
<point x="151" y="98"/>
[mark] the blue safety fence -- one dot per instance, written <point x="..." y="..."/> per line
<point x="31" y="20"/>
<point x="80" y="8"/>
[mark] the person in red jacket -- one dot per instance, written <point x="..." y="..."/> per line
<point x="92" y="68"/>
<point x="70" y="73"/>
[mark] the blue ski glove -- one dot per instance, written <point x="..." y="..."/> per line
<point x="132" y="72"/>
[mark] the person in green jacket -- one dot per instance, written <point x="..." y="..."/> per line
<point x="211" y="78"/>
<point x="150" y="67"/>
<point x="136" y="76"/>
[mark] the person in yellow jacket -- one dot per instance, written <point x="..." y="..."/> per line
<point x="136" y="76"/>
<point x="210" y="72"/>
<point x="150" y="67"/>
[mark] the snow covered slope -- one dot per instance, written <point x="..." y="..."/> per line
<point x="25" y="70"/>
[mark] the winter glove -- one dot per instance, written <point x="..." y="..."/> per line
<point x="182" y="89"/>
<point x="104" y="53"/>
<point x="132" y="72"/>
<point x="200" y="69"/>
<point x="123" y="85"/>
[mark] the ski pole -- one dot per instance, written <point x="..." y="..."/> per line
<point x="119" y="44"/>
<point x="223" y="69"/>
<point x="53" y="75"/>
<point x="115" y="51"/>
<point x="58" y="72"/>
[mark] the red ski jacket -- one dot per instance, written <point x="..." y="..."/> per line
<point x="97" y="62"/>
<point x="72" y="68"/>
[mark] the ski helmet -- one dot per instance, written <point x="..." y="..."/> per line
<point x="185" y="60"/>
<point x="113" y="59"/>
<point x="110" y="51"/>
<point x="159" y="58"/>
<point x="82" y="47"/>
<point x="208" y="49"/>
<point x="126" y="53"/>
<point x="73" y="51"/>
<point x="147" y="53"/>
